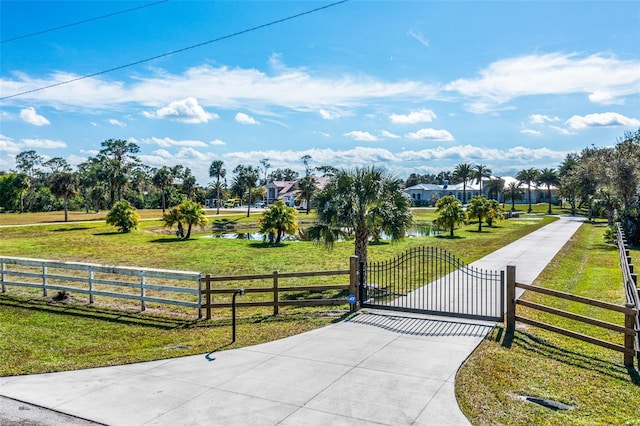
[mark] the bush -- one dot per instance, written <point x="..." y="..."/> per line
<point x="123" y="216"/>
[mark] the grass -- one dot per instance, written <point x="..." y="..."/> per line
<point x="50" y="336"/>
<point x="534" y="362"/>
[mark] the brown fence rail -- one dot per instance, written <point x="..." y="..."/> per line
<point x="630" y="279"/>
<point x="630" y="312"/>
<point x="277" y="290"/>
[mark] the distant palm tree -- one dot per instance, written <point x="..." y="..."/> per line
<point x="478" y="208"/>
<point x="247" y="178"/>
<point x="548" y="177"/>
<point x="513" y="192"/>
<point x="162" y="179"/>
<point x="189" y="213"/>
<point x="216" y="170"/>
<point x="450" y="213"/>
<point x="494" y="187"/>
<point x="22" y="183"/>
<point x="308" y="187"/>
<point x="463" y="172"/>
<point x="528" y="176"/>
<point x="480" y="171"/>
<point x="65" y="185"/>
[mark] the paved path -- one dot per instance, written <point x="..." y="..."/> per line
<point x="376" y="368"/>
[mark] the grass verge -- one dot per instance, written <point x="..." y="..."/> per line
<point x="542" y="364"/>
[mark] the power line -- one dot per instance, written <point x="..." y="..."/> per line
<point x="279" y="21"/>
<point x="81" y="22"/>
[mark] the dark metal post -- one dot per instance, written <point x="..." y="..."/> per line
<point x="233" y="313"/>
<point x="511" y="299"/>
<point x="361" y="283"/>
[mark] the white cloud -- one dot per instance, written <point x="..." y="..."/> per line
<point x="8" y="145"/>
<point x="420" y="38"/>
<point x="541" y="119"/>
<point x="550" y="74"/>
<point x="387" y="134"/>
<point x="117" y="123"/>
<point x="169" y="142"/>
<point x="217" y="142"/>
<point x="30" y="116"/>
<point x="431" y="134"/>
<point x="361" y="136"/>
<point x="531" y="132"/>
<point x="186" y="111"/>
<point x="606" y="119"/>
<point x="422" y="116"/>
<point x="243" y="118"/>
<point x="332" y="114"/>
<point x="561" y="130"/>
<point x="43" y="143"/>
<point x="602" y="97"/>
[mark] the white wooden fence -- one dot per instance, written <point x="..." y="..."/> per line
<point x="145" y="285"/>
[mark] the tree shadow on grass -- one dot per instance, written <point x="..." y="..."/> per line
<point x="534" y="344"/>
<point x="449" y="237"/>
<point x="98" y="234"/>
<point x="101" y="314"/>
<point x="170" y="240"/>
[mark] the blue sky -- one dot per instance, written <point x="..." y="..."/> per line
<point x="416" y="86"/>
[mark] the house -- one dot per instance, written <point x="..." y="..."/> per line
<point x="288" y="192"/>
<point x="427" y="194"/>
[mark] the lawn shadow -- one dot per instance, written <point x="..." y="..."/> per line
<point x="449" y="237"/>
<point x="534" y="344"/>
<point x="77" y="228"/>
<point x="102" y="314"/>
<point x="170" y="240"/>
<point x="107" y="233"/>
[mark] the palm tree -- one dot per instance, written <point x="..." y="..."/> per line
<point x="162" y="179"/>
<point x="463" y="172"/>
<point x="356" y="203"/>
<point x="65" y="185"/>
<point x="480" y="171"/>
<point x="308" y="187"/>
<point x="478" y="208"/>
<point x="528" y="176"/>
<point x="494" y="187"/>
<point x="548" y="177"/>
<point x="247" y="177"/>
<point x="189" y="213"/>
<point x="22" y="183"/>
<point x="450" y="213"/>
<point x="513" y="192"/>
<point x="278" y="220"/>
<point x="216" y="170"/>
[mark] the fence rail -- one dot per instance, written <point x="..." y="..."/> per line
<point x="630" y="311"/>
<point x="630" y="280"/>
<point x="276" y="289"/>
<point x="103" y="280"/>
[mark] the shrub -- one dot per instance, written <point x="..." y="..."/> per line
<point x="123" y="216"/>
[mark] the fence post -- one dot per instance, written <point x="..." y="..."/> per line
<point x="353" y="281"/>
<point x="143" y="293"/>
<point x="207" y="280"/>
<point x="4" y="268"/>
<point x="629" y="322"/>
<point x="276" y="296"/>
<point x="200" y="297"/>
<point x="511" y="299"/>
<point x="90" y="285"/>
<point x="44" y="280"/>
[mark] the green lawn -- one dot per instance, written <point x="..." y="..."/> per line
<point x="547" y="365"/>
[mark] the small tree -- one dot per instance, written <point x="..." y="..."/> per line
<point x="123" y="216"/>
<point x="513" y="192"/>
<point x="495" y="212"/>
<point x="450" y="213"/>
<point x="277" y="221"/>
<point x="64" y="185"/>
<point x="478" y="208"/>
<point x="187" y="213"/>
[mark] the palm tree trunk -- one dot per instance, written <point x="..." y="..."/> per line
<point x="164" y="202"/>
<point x="218" y="195"/>
<point x="549" y="196"/>
<point x="66" y="203"/>
<point x="361" y="244"/>
<point x="529" y="195"/>
<point x="186" y="237"/>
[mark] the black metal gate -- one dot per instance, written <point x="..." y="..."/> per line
<point x="432" y="281"/>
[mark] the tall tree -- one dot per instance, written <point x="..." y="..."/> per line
<point x="65" y="185"/>
<point x="356" y="203"/>
<point x="513" y="193"/>
<point x="494" y="188"/>
<point x="22" y="183"/>
<point x="189" y="187"/>
<point x="283" y="175"/>
<point x="481" y="171"/>
<point x="548" y="177"/>
<point x="265" y="167"/>
<point x="463" y="172"/>
<point x="217" y="170"/>
<point x="247" y="178"/>
<point x="163" y="178"/>
<point x="528" y="176"/>
<point x="307" y="187"/>
<point x="27" y="162"/>
<point x="118" y="157"/>
<point x="57" y="164"/>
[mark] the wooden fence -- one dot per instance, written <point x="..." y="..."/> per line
<point x="630" y="314"/>
<point x="145" y="285"/>
<point x="276" y="289"/>
<point x="630" y="279"/>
